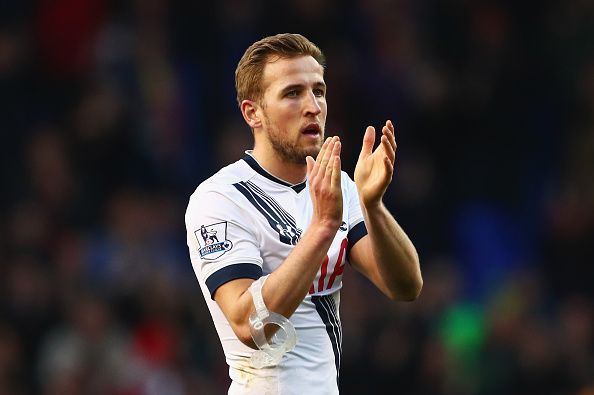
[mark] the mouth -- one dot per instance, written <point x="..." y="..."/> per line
<point x="312" y="129"/>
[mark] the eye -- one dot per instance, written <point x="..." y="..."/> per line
<point x="292" y="93"/>
<point x="319" y="92"/>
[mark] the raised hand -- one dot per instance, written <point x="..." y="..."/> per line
<point x="374" y="169"/>
<point x="324" y="184"/>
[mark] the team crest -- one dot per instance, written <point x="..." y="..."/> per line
<point x="213" y="240"/>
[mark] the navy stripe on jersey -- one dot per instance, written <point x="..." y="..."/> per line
<point x="274" y="204"/>
<point x="279" y="219"/>
<point x="355" y="234"/>
<point x="327" y="310"/>
<point x="232" y="272"/>
<point x="256" y="166"/>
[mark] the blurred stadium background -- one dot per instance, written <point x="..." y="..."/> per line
<point x="114" y="111"/>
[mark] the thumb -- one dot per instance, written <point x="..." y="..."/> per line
<point x="310" y="164"/>
<point x="368" y="141"/>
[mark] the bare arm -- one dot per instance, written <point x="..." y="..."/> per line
<point x="288" y="285"/>
<point x="386" y="255"/>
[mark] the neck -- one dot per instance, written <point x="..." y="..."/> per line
<point x="292" y="173"/>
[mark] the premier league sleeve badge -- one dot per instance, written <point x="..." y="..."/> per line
<point x="213" y="240"/>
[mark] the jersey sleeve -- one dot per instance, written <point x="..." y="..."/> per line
<point x="357" y="229"/>
<point x="222" y="246"/>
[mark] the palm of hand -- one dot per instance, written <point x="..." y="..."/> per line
<point x="371" y="177"/>
<point x="374" y="170"/>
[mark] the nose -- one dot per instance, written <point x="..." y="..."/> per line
<point x="312" y="105"/>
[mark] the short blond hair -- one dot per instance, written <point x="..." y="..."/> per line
<point x="249" y="71"/>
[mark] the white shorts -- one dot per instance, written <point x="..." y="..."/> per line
<point x="244" y="383"/>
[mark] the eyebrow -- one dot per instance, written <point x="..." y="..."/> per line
<point x="319" y="84"/>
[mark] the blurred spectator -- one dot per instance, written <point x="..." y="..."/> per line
<point x="87" y="353"/>
<point x="12" y="374"/>
<point x="112" y="113"/>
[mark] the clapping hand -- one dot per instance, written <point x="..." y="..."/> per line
<point x="325" y="189"/>
<point x="375" y="168"/>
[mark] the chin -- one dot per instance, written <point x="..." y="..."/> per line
<point x="294" y="153"/>
<point x="313" y="152"/>
<point x="315" y="148"/>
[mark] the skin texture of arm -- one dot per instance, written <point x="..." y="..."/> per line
<point x="286" y="287"/>
<point x="386" y="255"/>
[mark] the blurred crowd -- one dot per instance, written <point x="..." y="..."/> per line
<point x="113" y="112"/>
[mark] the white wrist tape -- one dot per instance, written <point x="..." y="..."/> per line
<point x="284" y="339"/>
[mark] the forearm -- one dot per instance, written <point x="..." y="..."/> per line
<point x="289" y="284"/>
<point x="394" y="254"/>
<point x="285" y="288"/>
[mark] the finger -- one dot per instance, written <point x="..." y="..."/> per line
<point x="393" y="128"/>
<point x="335" y="154"/>
<point x="390" y="125"/>
<point x="389" y="166"/>
<point x="330" y="164"/>
<point x="368" y="141"/>
<point x="310" y="165"/>
<point x="336" y="173"/>
<point x="316" y="167"/>
<point x="389" y="132"/>
<point x="388" y="148"/>
<point x="323" y="164"/>
<point x="337" y="148"/>
<point x="323" y="149"/>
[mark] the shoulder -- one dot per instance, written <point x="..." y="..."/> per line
<point x="218" y="191"/>
<point x="222" y="182"/>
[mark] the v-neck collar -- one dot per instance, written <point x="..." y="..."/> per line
<point x="253" y="163"/>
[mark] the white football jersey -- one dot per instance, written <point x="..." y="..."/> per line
<point x="242" y="223"/>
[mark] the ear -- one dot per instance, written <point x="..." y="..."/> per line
<point x="249" y="110"/>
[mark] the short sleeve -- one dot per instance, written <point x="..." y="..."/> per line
<point x="357" y="229"/>
<point x="222" y="246"/>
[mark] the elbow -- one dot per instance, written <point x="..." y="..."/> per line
<point x="414" y="291"/>
<point x="242" y="331"/>
<point x="415" y="285"/>
<point x="408" y="292"/>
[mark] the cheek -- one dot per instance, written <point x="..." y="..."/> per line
<point x="324" y="108"/>
<point x="288" y="115"/>
<point x="292" y="109"/>
<point x="286" y="111"/>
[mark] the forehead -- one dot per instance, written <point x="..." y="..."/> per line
<point x="301" y="70"/>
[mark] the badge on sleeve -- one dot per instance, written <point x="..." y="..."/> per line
<point x="213" y="240"/>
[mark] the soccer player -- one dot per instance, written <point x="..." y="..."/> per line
<point x="287" y="216"/>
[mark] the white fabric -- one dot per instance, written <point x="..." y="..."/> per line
<point x="227" y="232"/>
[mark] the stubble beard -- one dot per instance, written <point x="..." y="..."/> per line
<point x="289" y="151"/>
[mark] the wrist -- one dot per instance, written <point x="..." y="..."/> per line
<point x="371" y="206"/>
<point x="323" y="230"/>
